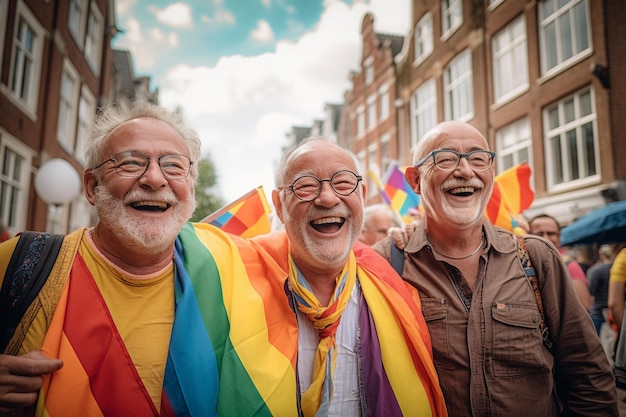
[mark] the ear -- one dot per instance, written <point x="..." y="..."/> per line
<point x="364" y="190"/>
<point x="277" y="204"/>
<point x="90" y="182"/>
<point x="412" y="176"/>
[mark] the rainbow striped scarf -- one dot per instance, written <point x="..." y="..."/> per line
<point x="325" y="320"/>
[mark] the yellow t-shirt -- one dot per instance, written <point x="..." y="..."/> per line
<point x="142" y="310"/>
<point x="618" y="270"/>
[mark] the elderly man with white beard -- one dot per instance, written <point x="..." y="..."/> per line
<point x="97" y="339"/>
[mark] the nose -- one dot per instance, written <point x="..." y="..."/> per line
<point x="464" y="166"/>
<point x="153" y="177"/>
<point x="327" y="196"/>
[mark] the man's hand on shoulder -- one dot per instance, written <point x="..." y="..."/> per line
<point x="400" y="236"/>
<point x="21" y="378"/>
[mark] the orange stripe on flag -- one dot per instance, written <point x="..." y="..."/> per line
<point x="512" y="194"/>
<point x="246" y="217"/>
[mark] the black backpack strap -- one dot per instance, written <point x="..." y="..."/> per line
<point x="29" y="267"/>
<point x="397" y="257"/>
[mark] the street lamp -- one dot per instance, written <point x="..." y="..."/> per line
<point x="57" y="183"/>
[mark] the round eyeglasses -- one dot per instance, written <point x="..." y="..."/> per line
<point x="309" y="187"/>
<point x="134" y="164"/>
<point x="448" y="160"/>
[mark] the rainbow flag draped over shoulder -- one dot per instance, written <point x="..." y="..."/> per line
<point x="232" y="352"/>
<point x="399" y="377"/>
<point x="396" y="192"/>
<point x="246" y="217"/>
<point x="512" y="194"/>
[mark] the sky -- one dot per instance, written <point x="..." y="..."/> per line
<point x="244" y="72"/>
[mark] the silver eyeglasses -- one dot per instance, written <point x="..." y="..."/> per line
<point x="448" y="160"/>
<point x="134" y="164"/>
<point x="309" y="187"/>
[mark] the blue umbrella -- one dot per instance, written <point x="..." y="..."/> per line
<point x="604" y="225"/>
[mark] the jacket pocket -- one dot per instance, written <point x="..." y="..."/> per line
<point x="517" y="341"/>
<point x="435" y="311"/>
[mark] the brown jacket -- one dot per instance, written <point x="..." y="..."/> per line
<point x="491" y="358"/>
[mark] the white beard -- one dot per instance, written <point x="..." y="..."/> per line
<point x="330" y="252"/>
<point x="138" y="233"/>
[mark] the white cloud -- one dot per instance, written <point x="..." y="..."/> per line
<point x="266" y="3"/>
<point x="158" y="37"/>
<point x="263" y="32"/>
<point x="221" y="16"/>
<point x="122" y="7"/>
<point x="176" y="15"/>
<point x="243" y="107"/>
<point x="134" y="41"/>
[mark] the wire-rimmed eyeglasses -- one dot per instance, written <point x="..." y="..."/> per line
<point x="448" y="160"/>
<point x="134" y="164"/>
<point x="309" y="187"/>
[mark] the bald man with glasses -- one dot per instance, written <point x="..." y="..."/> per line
<point x="486" y="320"/>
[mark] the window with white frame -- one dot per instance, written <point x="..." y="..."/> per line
<point x="457" y="87"/>
<point x="68" y="103"/>
<point x="510" y="62"/>
<point x="513" y="144"/>
<point x="570" y="139"/>
<point x="451" y="16"/>
<point x="76" y="20"/>
<point x="369" y="69"/>
<point x="384" y="102"/>
<point x="564" y="32"/>
<point x="360" y="120"/>
<point x="26" y="60"/>
<point x="371" y="112"/>
<point x="424" y="42"/>
<point x="424" y="109"/>
<point x="86" y="111"/>
<point x="93" y="41"/>
<point x="16" y="161"/>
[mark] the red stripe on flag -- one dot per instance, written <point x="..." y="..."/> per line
<point x="114" y="381"/>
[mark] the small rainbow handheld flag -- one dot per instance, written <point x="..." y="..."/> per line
<point x="511" y="195"/>
<point x="246" y="217"/>
<point x="397" y="193"/>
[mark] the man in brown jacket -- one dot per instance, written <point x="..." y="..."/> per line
<point x="484" y="317"/>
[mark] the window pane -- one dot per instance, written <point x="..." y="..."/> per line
<point x="573" y="153"/>
<point x="555" y="145"/>
<point x="585" y="104"/>
<point x="568" y="111"/>
<point x="589" y="143"/>
<point x="550" y="46"/>
<point x="565" y="36"/>
<point x="580" y="23"/>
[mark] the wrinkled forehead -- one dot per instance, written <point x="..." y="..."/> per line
<point x="451" y="135"/>
<point x="320" y="158"/>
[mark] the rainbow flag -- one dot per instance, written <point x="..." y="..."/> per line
<point x="232" y="352"/>
<point x="397" y="192"/>
<point x="234" y="345"/>
<point x="246" y="217"/>
<point x="512" y="194"/>
<point x="400" y="377"/>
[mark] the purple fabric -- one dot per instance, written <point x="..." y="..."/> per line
<point x="379" y="397"/>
